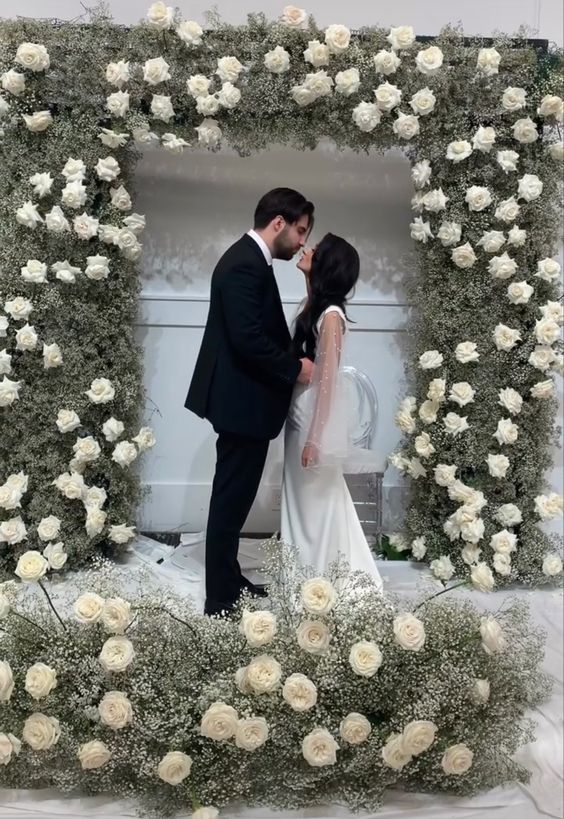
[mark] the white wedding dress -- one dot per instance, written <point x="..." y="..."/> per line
<point x="318" y="516"/>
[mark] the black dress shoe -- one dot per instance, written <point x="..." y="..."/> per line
<point x="220" y="610"/>
<point x="253" y="588"/>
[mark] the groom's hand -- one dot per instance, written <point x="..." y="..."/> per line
<point x="306" y="372"/>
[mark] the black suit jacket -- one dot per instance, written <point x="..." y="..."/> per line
<point x="244" y="374"/>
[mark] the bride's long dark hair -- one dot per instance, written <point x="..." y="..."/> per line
<point x="335" y="267"/>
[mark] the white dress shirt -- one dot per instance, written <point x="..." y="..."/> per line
<point x="263" y="246"/>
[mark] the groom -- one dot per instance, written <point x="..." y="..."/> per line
<point x="244" y="377"/>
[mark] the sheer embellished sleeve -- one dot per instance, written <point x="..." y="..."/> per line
<point x="327" y="430"/>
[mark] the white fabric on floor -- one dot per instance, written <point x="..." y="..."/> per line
<point x="182" y="570"/>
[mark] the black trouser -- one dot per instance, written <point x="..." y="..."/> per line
<point x="239" y="467"/>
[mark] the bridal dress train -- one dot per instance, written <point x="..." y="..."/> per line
<point x="318" y="516"/>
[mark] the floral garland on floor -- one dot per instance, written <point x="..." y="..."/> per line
<point x="335" y="691"/>
<point x="481" y="128"/>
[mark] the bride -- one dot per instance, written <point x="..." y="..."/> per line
<point x="318" y="516"/>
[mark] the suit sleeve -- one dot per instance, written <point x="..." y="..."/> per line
<point x="241" y="297"/>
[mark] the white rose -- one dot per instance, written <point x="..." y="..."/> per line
<point x="160" y="16"/>
<point x="548" y="506"/>
<point x="95" y="520"/>
<point x="251" y="733"/>
<point x="144" y="136"/>
<point x="318" y="596"/>
<point x="40" y="680"/>
<point x="347" y="82"/>
<point x="547" y="331"/>
<point x="49" y="528"/>
<point x="366" y="116"/>
<point x="409" y="632"/>
<point x="449" y="233"/>
<point x="488" y="61"/>
<point x="209" y="133"/>
<point x="6" y="681"/>
<point x="258" y="627"/>
<point x="437" y="390"/>
<point x="507" y="432"/>
<point x="498" y="465"/>
<point x="478" y="198"/>
<point x="553" y="310"/>
<point x="198" y="85"/>
<point x="228" y="96"/>
<point x="365" y="658"/>
<point x="42" y="183"/>
<point x="121" y="533"/>
<point x="263" y="674"/>
<point x="421" y="173"/>
<point x="492" y="241"/>
<point x="442" y="568"/>
<point x="428" y="411"/>
<point x="161" y="107"/>
<point x="386" y="62"/>
<point x="13" y="82"/>
<point x="319" y="748"/>
<point x="508" y="210"/>
<point x="115" y="710"/>
<point x="517" y="236"/>
<point x="470" y="554"/>
<point x="482" y="577"/>
<point x="121" y="200"/>
<point x="277" y="61"/>
<point x="74" y="194"/>
<point x="320" y="84"/>
<point x="394" y="752"/>
<point x="493" y="639"/>
<point x="429" y="60"/>
<point x="543" y="389"/>
<point x="504" y="542"/>
<point x="174" y="767"/>
<point x="101" y="391"/>
<point x="337" y="38"/>
<point x="118" y="73"/>
<point x="228" y="69"/>
<point x="156" y="71"/>
<point x="520" y="292"/>
<point x="418" y="548"/>
<point x="548" y="270"/>
<point x="117" y="654"/>
<point x="502" y="267"/>
<point x="511" y="400"/>
<point x="94" y="498"/>
<point x="9" y="744"/>
<point x="509" y="515"/>
<point x="299" y="692"/>
<point x="38" y="121"/>
<point x="207" y="105"/>
<point x="56" y="555"/>
<point x="505" y="338"/>
<point x="463" y="256"/>
<point x="124" y="453"/>
<point x="116" y="615"/>
<point x="118" y="103"/>
<point x="86" y="449"/>
<point x="355" y="728"/>
<point x="97" y="267"/>
<point x="13" y="531"/>
<point x="418" y="736"/>
<point x="93" y="754"/>
<point x="388" y="96"/>
<point x="219" y="722"/>
<point x="10" y="497"/>
<point x="107" y="169"/>
<point x="457" y="760"/>
<point x="56" y="221"/>
<point x="9" y="391"/>
<point x="41" y="732"/>
<point x="34" y="271"/>
<point x="190" y="32"/>
<point x="303" y="96"/>
<point x="552" y="106"/>
<point x="484" y="139"/>
<point x="423" y="102"/>
<point x="241" y="681"/>
<point x="552" y="565"/>
<point x="85" y="227"/>
<point x="423" y="445"/>
<point x="71" y="485"/>
<point x="67" y="420"/>
<point x="293" y="16"/>
<point x="416" y="469"/>
<point x="525" y="130"/>
<point x="430" y="360"/>
<point x="28" y="215"/>
<point x="530" y="187"/>
<point x="316" y="53"/>
<point x="514" y="98"/>
<point x="313" y="636"/>
<point x="74" y="170"/>
<point x="401" y="37"/>
<point x="445" y="474"/>
<point x="26" y="338"/>
<point x="556" y="151"/>
<point x="455" y="424"/>
<point x="406" y="126"/>
<point x="502" y="564"/>
<point x="461" y="393"/>
<point x="135" y="222"/>
<point x="88" y="608"/>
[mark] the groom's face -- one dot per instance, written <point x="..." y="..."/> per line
<point x="291" y="238"/>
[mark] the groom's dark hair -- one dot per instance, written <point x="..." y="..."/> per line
<point x="284" y="202"/>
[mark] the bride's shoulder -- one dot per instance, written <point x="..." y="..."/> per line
<point x="334" y="308"/>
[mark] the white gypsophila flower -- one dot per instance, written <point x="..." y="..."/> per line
<point x="406" y="126"/>
<point x="160" y="16"/>
<point x="484" y="139"/>
<point x="386" y="62"/>
<point x="93" y="754"/>
<point x="118" y="73"/>
<point x="530" y="187"/>
<point x="313" y="636"/>
<point x="548" y="270"/>
<point x="502" y="267"/>
<point x="394" y="752"/>
<point x="365" y="658"/>
<point x="219" y="722"/>
<point x="319" y="748"/>
<point x="355" y="728"/>
<point x="209" y="133"/>
<point x="277" y="60"/>
<point x="492" y="241"/>
<point x="442" y="568"/>
<point x="520" y="292"/>
<point x="40" y="680"/>
<point x="552" y="106"/>
<point x="121" y="533"/>
<point x="505" y="338"/>
<point x="366" y="116"/>
<point x="258" y="627"/>
<point x="190" y="32"/>
<point x="552" y="565"/>
<point x="293" y="17"/>
<point x="124" y="453"/>
<point x="478" y="198"/>
<point x="228" y="69"/>
<point x="337" y="38"/>
<point x="318" y="596"/>
<point x="497" y="465"/>
<point x="42" y="183"/>
<point x="431" y="360"/>
<point x="299" y="692"/>
<point x="101" y="391"/>
<point x="525" y="131"/>
<point x="488" y="61"/>
<point x="421" y="173"/>
<point x="457" y="760"/>
<point x="509" y="515"/>
<point x="388" y="96"/>
<point x="514" y="98"/>
<point x="347" y="82"/>
<point x="317" y="54"/>
<point x="507" y="432"/>
<point x="449" y="233"/>
<point x="251" y="733"/>
<point x="463" y="256"/>
<point x="423" y="445"/>
<point x="429" y="60"/>
<point x="174" y="767"/>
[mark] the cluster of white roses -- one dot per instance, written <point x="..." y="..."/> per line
<point x="32" y="57"/>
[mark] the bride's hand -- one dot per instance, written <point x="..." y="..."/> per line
<point x="310" y="456"/>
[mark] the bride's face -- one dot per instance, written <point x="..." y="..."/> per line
<point x="304" y="262"/>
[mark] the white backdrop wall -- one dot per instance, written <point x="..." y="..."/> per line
<point x="196" y="205"/>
